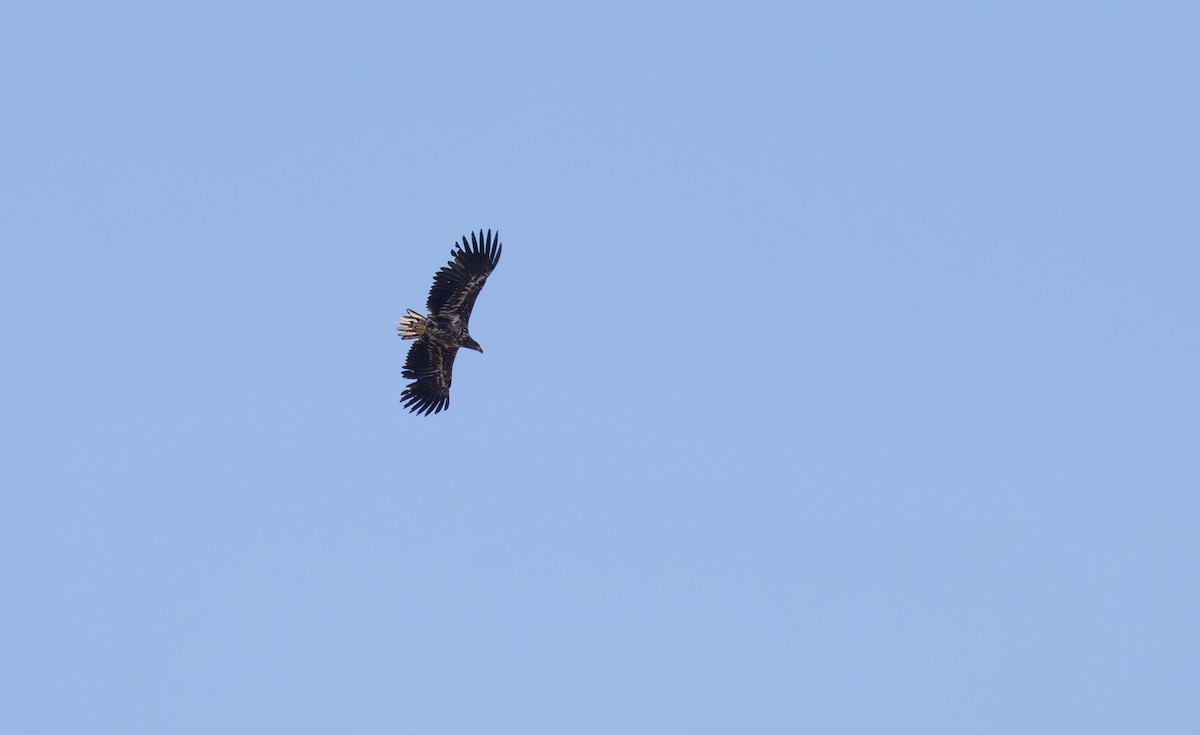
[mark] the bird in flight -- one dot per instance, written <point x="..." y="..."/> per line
<point x="439" y="335"/>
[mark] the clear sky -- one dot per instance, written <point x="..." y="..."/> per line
<point x="840" y="371"/>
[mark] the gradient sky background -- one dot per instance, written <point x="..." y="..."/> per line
<point x="840" y="372"/>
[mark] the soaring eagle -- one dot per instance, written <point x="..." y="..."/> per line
<point x="439" y="335"/>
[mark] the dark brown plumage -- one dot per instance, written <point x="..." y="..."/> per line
<point x="439" y="335"/>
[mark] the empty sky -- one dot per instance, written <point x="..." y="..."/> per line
<point x="840" y="372"/>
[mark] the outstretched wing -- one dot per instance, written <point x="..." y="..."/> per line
<point x="429" y="366"/>
<point x="457" y="284"/>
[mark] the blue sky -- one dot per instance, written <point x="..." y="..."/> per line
<point x="839" y="373"/>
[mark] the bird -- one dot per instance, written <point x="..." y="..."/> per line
<point x="439" y="334"/>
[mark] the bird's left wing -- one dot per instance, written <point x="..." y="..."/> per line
<point x="429" y="366"/>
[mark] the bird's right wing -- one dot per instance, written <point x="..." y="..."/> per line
<point x="457" y="284"/>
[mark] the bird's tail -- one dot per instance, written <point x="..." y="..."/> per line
<point x="412" y="326"/>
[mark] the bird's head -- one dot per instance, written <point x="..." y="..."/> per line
<point x="471" y="344"/>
